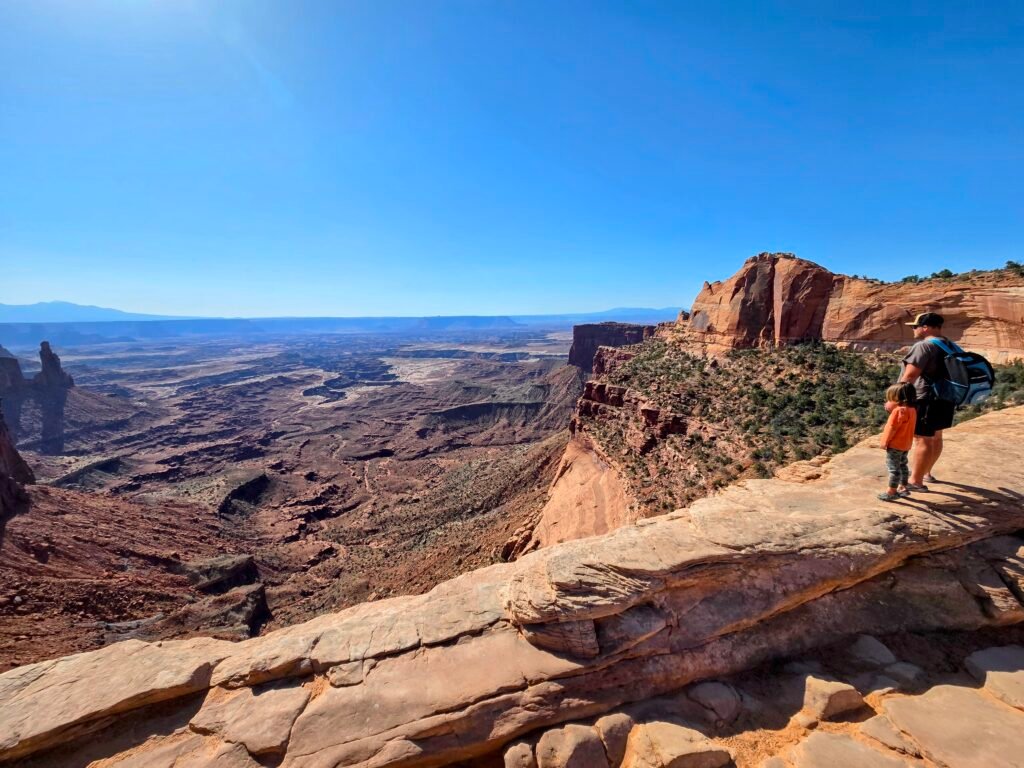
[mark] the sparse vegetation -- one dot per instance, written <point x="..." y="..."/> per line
<point x="1012" y="267"/>
<point x="751" y="413"/>
<point x="748" y="414"/>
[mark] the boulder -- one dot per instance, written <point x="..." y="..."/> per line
<point x="721" y="700"/>
<point x="1001" y="672"/>
<point x="613" y="731"/>
<point x="574" y="746"/>
<point x="870" y="651"/>
<point x="667" y="745"/>
<point x="825" y="699"/>
<point x="905" y="673"/>
<point x="520" y="755"/>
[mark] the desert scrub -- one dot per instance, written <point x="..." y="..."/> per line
<point x="1008" y="391"/>
<point x="747" y="413"/>
<point x="753" y="411"/>
<point x="791" y="402"/>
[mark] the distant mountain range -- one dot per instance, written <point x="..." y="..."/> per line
<point x="68" y="324"/>
<point x="67" y="312"/>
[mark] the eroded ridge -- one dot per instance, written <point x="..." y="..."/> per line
<point x="765" y="569"/>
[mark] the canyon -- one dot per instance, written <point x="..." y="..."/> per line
<point x="310" y="550"/>
<point x="340" y="468"/>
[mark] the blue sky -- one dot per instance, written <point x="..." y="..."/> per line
<point x="490" y="157"/>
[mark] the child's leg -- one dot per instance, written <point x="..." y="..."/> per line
<point x="904" y="469"/>
<point x="892" y="463"/>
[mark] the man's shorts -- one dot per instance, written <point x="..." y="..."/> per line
<point x="933" y="416"/>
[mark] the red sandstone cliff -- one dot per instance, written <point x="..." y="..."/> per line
<point x="777" y="298"/>
<point x="14" y="474"/>
<point x="49" y="389"/>
<point x="587" y="338"/>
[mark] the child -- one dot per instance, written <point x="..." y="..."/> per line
<point x="897" y="438"/>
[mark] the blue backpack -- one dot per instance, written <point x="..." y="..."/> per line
<point x="969" y="376"/>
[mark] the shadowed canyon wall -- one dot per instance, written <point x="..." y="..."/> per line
<point x="48" y="388"/>
<point x="587" y="338"/>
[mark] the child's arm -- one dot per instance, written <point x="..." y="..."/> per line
<point x="897" y="418"/>
<point x="890" y="428"/>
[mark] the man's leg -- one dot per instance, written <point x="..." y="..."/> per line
<point x="933" y="455"/>
<point x="921" y="460"/>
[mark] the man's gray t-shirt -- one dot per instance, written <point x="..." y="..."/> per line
<point x="931" y="359"/>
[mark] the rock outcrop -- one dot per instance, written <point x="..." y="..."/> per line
<point x="588" y="337"/>
<point x="13" y="390"/>
<point x="764" y="570"/>
<point x="776" y="298"/>
<point x="14" y="474"/>
<point x="48" y="388"/>
<point x="51" y="387"/>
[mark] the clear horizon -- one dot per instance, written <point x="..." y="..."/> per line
<point x="356" y="317"/>
<point x="256" y="159"/>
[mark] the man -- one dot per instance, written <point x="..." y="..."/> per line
<point x="924" y="364"/>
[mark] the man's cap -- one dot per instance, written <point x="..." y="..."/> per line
<point x="930" y="319"/>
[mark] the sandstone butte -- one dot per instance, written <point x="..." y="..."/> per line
<point x="778" y="298"/>
<point x="765" y="569"/>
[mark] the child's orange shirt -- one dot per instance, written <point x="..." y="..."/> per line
<point x="899" y="429"/>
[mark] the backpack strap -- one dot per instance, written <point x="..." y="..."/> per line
<point x="945" y="345"/>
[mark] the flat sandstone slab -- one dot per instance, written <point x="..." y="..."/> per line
<point x="960" y="727"/>
<point x="1001" y="672"/>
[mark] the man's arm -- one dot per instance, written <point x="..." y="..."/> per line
<point x="911" y="373"/>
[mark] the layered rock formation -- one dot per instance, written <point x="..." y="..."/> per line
<point x="48" y="388"/>
<point x="13" y="389"/>
<point x="51" y="387"/>
<point x="15" y="473"/>
<point x="588" y="337"/>
<point x="776" y="298"/>
<point x="765" y="569"/>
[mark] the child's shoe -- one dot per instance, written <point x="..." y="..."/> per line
<point x="886" y="496"/>
<point x="903" y="493"/>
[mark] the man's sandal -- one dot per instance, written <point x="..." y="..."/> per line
<point x="916" y="487"/>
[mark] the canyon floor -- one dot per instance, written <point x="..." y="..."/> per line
<point x="225" y="487"/>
